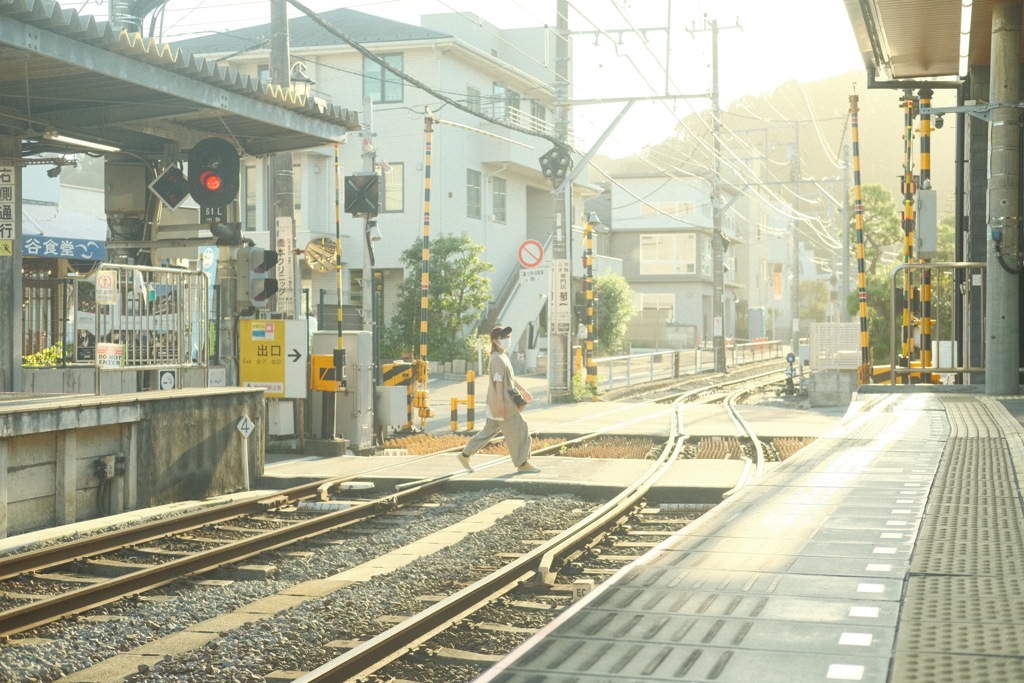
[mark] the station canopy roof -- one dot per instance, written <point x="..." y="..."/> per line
<point x="920" y="39"/>
<point x="62" y="73"/>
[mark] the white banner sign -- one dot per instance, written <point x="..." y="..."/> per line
<point x="561" y="305"/>
<point x="285" y="267"/>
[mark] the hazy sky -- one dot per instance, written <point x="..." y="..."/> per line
<point x="804" y="40"/>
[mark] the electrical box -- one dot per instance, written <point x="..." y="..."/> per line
<point x="393" y="404"/>
<point x="125" y="190"/>
<point x="280" y="418"/>
<point x="354" y="405"/>
<point x="926" y="233"/>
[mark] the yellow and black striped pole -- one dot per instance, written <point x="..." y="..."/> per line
<point x="908" y="219"/>
<point x="926" y="277"/>
<point x="422" y="373"/>
<point x="470" y="399"/>
<point x="864" y="373"/>
<point x="588" y="293"/>
<point x="339" y="357"/>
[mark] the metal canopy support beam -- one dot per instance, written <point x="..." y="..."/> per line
<point x="1003" y="271"/>
<point x="294" y="126"/>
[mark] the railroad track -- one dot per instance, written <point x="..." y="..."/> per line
<point x="543" y="561"/>
<point x="540" y="566"/>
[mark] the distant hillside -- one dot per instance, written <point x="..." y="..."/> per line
<point x="762" y="132"/>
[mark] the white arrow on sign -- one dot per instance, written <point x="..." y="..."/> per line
<point x="246" y="426"/>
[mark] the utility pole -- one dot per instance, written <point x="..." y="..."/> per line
<point x="369" y="153"/>
<point x="559" y="298"/>
<point x="794" y="176"/>
<point x="717" y="203"/>
<point x="281" y="222"/>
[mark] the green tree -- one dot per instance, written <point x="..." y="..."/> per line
<point x="614" y="308"/>
<point x="881" y="313"/>
<point x="459" y="290"/>
<point x="883" y="228"/>
<point x="814" y="300"/>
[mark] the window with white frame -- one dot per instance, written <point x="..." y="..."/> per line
<point x="473" y="98"/>
<point x="668" y="254"/>
<point x="474" y="193"/>
<point x="392" y="198"/>
<point x="498" y="94"/>
<point x="381" y="84"/>
<point x="659" y="306"/>
<point x="499" y="208"/>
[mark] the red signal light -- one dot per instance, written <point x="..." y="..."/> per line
<point x="210" y="180"/>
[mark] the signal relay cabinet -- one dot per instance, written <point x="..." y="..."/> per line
<point x="354" y="407"/>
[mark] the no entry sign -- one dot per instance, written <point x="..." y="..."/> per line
<point x="531" y="253"/>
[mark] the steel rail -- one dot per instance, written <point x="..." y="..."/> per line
<point x="374" y="654"/>
<point x="50" y="609"/>
<point x="55" y="555"/>
<point x="758" y="463"/>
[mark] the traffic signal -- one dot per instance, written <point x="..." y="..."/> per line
<point x="555" y="164"/>
<point x="258" y="283"/>
<point x="362" y="194"/>
<point x="213" y="172"/>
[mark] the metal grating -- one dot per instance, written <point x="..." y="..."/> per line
<point x="835" y="346"/>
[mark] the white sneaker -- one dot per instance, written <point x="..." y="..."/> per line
<point x="464" y="460"/>
<point x="528" y="468"/>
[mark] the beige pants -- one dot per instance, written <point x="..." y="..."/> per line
<point x="516" y="433"/>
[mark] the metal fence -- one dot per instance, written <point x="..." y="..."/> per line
<point x="963" y="280"/>
<point x="617" y="372"/>
<point x="159" y="317"/>
<point x="137" y="317"/>
<point x="45" y="314"/>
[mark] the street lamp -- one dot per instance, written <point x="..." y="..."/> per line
<point x="302" y="84"/>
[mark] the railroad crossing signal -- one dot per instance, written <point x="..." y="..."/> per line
<point x="555" y="164"/>
<point x="213" y="170"/>
<point x="362" y="194"/>
<point x="256" y="285"/>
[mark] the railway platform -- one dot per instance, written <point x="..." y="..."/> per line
<point x="889" y="550"/>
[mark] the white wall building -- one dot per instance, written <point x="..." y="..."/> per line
<point x="662" y="229"/>
<point x="485" y="178"/>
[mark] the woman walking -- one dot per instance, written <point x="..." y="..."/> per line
<point x="505" y="398"/>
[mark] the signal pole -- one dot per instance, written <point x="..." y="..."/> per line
<point x="558" y="299"/>
<point x="794" y="293"/>
<point x="281" y="222"/>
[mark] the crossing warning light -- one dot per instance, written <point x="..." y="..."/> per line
<point x="362" y="194"/>
<point x="213" y="172"/>
<point x="555" y="164"/>
<point x="258" y="285"/>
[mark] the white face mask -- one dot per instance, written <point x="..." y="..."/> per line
<point x="504" y="343"/>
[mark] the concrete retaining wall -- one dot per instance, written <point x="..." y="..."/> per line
<point x="832" y="387"/>
<point x="162" y="447"/>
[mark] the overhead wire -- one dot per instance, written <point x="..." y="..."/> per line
<point x="734" y="164"/>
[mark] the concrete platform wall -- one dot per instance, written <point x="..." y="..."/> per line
<point x="163" y="447"/>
